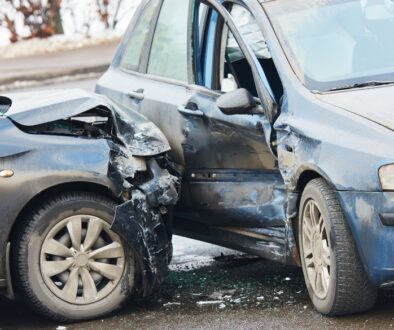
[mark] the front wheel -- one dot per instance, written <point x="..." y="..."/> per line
<point x="335" y="278"/>
<point x="69" y="265"/>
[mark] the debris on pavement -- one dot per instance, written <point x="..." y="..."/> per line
<point x="170" y="304"/>
<point x="209" y="303"/>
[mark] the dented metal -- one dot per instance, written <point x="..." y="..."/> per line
<point x="243" y="175"/>
<point x="73" y="140"/>
<point x="141" y="222"/>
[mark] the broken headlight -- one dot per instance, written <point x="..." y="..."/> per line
<point x="386" y="175"/>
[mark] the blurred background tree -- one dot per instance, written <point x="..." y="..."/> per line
<point x="109" y="12"/>
<point x="42" y="18"/>
<point x="27" y="19"/>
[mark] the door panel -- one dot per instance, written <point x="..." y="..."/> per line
<point x="235" y="198"/>
<point x="160" y="105"/>
<point x="232" y="175"/>
<point x="219" y="141"/>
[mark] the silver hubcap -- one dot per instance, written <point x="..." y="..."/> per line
<point x="316" y="249"/>
<point x="82" y="260"/>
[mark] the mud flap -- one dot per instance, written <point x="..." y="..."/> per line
<point x="143" y="229"/>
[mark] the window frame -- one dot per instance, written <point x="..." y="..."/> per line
<point x="263" y="87"/>
<point x="130" y="32"/>
<point x="143" y="68"/>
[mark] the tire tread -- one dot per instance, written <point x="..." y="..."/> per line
<point x="23" y="287"/>
<point x="354" y="293"/>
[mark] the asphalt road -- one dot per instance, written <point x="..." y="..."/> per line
<point x="255" y="294"/>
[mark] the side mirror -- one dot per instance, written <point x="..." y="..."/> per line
<point x="238" y="102"/>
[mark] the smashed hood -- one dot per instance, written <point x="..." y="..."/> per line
<point x="375" y="104"/>
<point x="139" y="135"/>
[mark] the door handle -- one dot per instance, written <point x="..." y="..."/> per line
<point x="191" y="109"/>
<point x="136" y="95"/>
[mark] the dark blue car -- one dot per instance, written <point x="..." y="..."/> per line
<point x="279" y="116"/>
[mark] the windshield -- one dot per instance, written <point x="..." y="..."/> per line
<point x="336" y="43"/>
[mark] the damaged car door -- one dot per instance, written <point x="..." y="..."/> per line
<point x="324" y="198"/>
<point x="234" y="182"/>
<point x="231" y="182"/>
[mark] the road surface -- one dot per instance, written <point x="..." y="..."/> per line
<point x="256" y="294"/>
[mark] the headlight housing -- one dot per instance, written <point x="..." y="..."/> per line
<point x="386" y="175"/>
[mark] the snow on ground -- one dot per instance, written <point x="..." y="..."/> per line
<point x="55" y="44"/>
<point x="192" y="254"/>
<point x="81" y="28"/>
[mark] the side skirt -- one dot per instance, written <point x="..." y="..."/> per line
<point x="268" y="243"/>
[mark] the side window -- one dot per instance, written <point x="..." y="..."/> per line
<point x="168" y="57"/>
<point x="132" y="55"/>
<point x="224" y="65"/>
<point x="251" y="32"/>
<point x="235" y="70"/>
<point x="248" y="28"/>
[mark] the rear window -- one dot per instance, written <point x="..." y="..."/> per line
<point x="5" y="104"/>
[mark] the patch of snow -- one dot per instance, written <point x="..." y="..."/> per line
<point x="236" y="301"/>
<point x="170" y="304"/>
<point x="220" y="295"/>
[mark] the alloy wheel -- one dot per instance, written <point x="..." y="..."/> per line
<point x="316" y="249"/>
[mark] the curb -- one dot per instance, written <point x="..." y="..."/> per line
<point x="42" y="76"/>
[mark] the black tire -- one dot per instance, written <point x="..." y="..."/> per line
<point x="349" y="290"/>
<point x="29" y="281"/>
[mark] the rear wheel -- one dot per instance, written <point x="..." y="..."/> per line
<point x="335" y="278"/>
<point x="69" y="265"/>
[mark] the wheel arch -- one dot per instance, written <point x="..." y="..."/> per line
<point x="305" y="175"/>
<point x="89" y="187"/>
<point x="40" y="197"/>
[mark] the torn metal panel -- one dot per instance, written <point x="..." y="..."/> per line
<point x="142" y="228"/>
<point x="140" y="222"/>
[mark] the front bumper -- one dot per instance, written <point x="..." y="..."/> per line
<point x="369" y="217"/>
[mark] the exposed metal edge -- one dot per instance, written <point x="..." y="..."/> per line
<point x="245" y="232"/>
<point x="260" y="246"/>
<point x="9" y="290"/>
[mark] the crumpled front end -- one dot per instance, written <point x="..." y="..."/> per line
<point x="82" y="138"/>
<point x="144" y="222"/>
